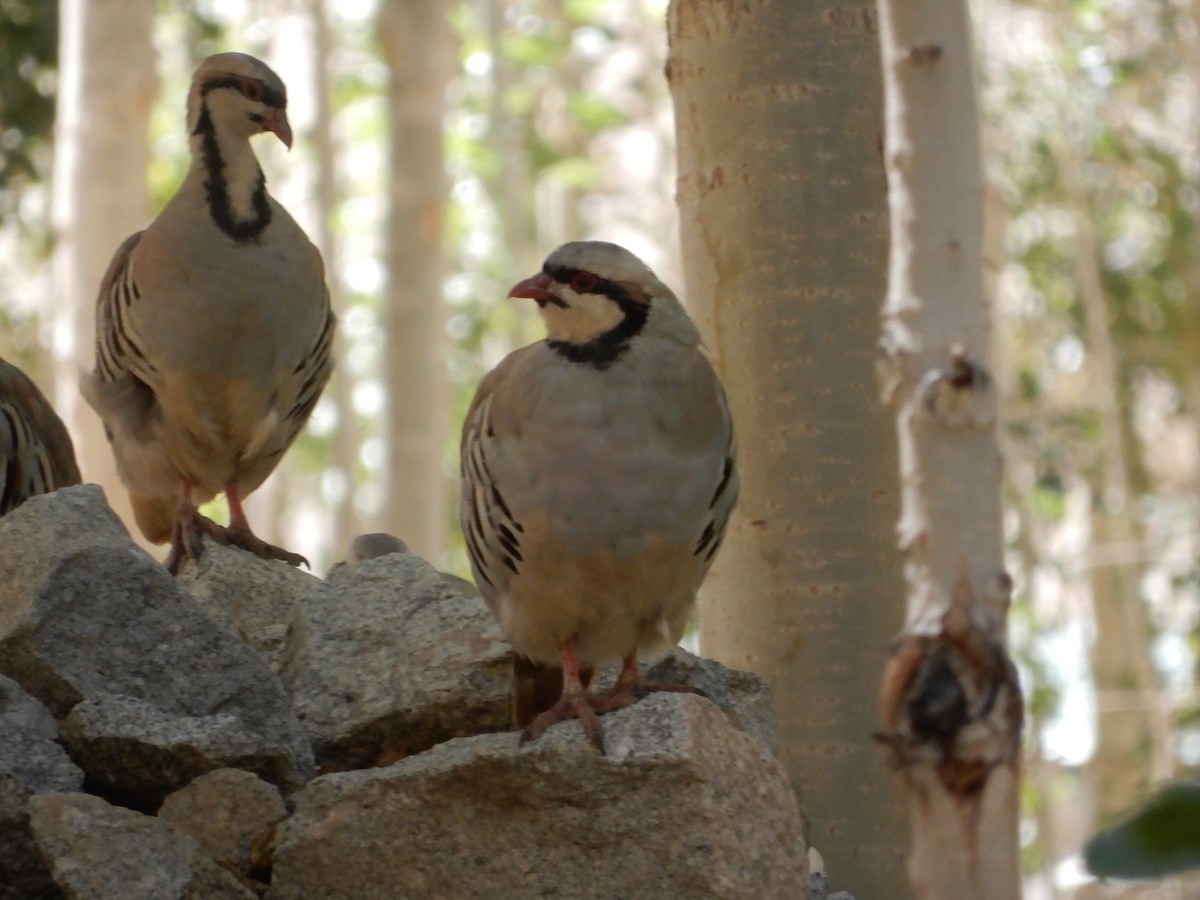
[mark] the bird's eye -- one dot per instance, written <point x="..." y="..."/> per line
<point x="251" y="89"/>
<point x="582" y="282"/>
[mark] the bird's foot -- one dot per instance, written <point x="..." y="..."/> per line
<point x="621" y="695"/>
<point x="244" y="539"/>
<point x="669" y="687"/>
<point x="570" y="706"/>
<point x="186" y="542"/>
<point x="588" y="709"/>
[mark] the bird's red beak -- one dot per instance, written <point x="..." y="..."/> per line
<point x="276" y="122"/>
<point x="535" y="288"/>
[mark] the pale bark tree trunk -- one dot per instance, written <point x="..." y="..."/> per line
<point x="512" y="186"/>
<point x="106" y="87"/>
<point x="951" y="703"/>
<point x="1132" y="730"/>
<point x="419" y="48"/>
<point x="346" y="443"/>
<point x="784" y="222"/>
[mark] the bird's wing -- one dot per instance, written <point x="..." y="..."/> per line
<point x="117" y="351"/>
<point x="121" y="387"/>
<point x="306" y="381"/>
<point x="492" y="534"/>
<point x="725" y="495"/>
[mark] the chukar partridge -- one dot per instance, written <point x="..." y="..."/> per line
<point x="36" y="455"/>
<point x="598" y="476"/>
<point x="213" y="325"/>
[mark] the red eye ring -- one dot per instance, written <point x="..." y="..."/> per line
<point x="251" y="89"/>
<point x="582" y="282"/>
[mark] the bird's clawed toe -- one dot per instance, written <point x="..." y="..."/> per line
<point x="588" y="709"/>
<point x="244" y="539"/>
<point x="575" y="703"/>
<point x="260" y="548"/>
<point x="620" y="696"/>
<point x="575" y="706"/>
<point x="669" y="687"/>
<point x="613" y="700"/>
<point x="187" y="542"/>
<point x="187" y="536"/>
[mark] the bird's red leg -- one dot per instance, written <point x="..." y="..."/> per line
<point x="237" y="514"/>
<point x="238" y="534"/>
<point x="574" y="704"/>
<point x="624" y="691"/>
<point x="185" y="534"/>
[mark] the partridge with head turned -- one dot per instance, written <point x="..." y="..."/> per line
<point x="598" y="475"/>
<point x="213" y="325"/>
<point x="36" y="455"/>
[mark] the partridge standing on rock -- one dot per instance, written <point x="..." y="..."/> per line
<point x="598" y="476"/>
<point x="36" y="455"/>
<point x="213" y="326"/>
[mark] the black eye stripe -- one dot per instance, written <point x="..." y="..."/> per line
<point x="611" y="289"/>
<point x="270" y="96"/>
<point x="604" y="349"/>
<point x="561" y="274"/>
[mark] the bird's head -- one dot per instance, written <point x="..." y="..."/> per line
<point x="238" y="95"/>
<point x="596" y="297"/>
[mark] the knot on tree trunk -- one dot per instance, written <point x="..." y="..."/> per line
<point x="950" y="700"/>
<point x="960" y="394"/>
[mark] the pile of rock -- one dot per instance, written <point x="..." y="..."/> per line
<point x="162" y="738"/>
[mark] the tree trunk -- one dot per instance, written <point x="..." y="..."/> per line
<point x="1132" y="728"/>
<point x="418" y="46"/>
<point x="951" y="703"/>
<point x="784" y="222"/>
<point x="512" y="183"/>
<point x="106" y="87"/>
<point x="345" y="443"/>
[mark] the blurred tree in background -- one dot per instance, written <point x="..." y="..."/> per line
<point x="28" y="60"/>
<point x="1093" y="149"/>
<point x="557" y="125"/>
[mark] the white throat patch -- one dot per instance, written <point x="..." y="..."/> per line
<point x="586" y="317"/>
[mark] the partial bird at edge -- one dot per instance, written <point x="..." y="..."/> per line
<point x="36" y="453"/>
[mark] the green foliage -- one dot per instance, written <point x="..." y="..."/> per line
<point x="1049" y="498"/>
<point x="28" y="58"/>
<point x="1090" y="139"/>
<point x="1159" y="837"/>
<point x="592" y="113"/>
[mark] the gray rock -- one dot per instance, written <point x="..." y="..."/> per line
<point x="254" y="598"/>
<point x="23" y="872"/>
<point x="31" y="761"/>
<point x="227" y="811"/>
<point x="29" y="750"/>
<point x="95" y="851"/>
<point x="134" y="750"/>
<point x="379" y="543"/>
<point x="743" y="696"/>
<point x="392" y="660"/>
<point x="85" y="613"/>
<point x="373" y="546"/>
<point x="685" y="806"/>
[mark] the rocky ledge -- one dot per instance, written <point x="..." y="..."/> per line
<point x="252" y="730"/>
